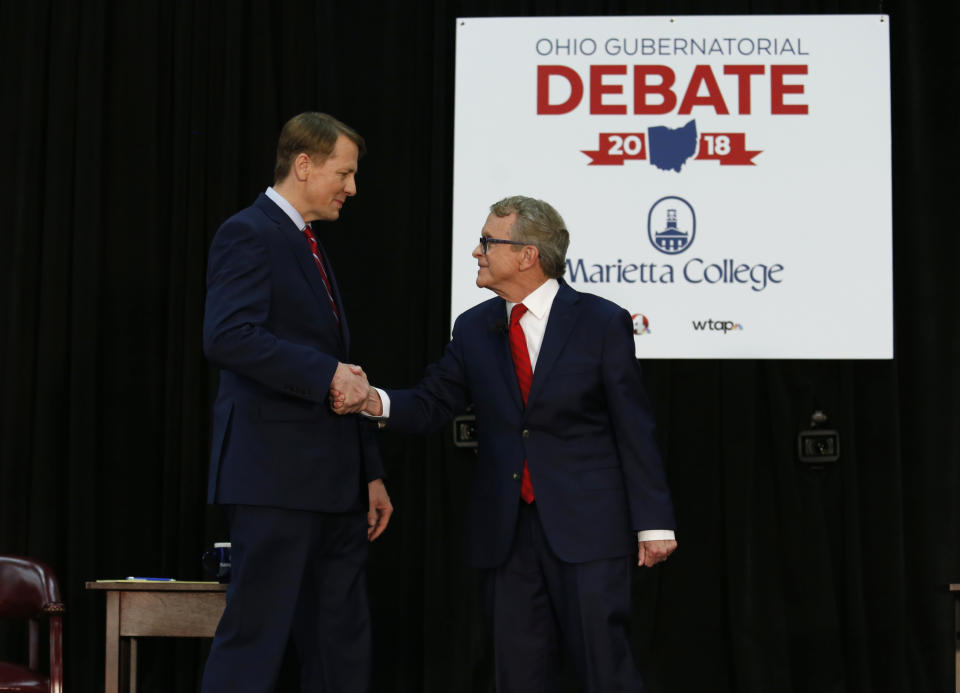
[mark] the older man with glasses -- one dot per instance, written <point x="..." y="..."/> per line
<point x="569" y="484"/>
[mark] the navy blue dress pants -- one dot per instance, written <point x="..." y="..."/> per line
<point x="540" y="606"/>
<point x="293" y="573"/>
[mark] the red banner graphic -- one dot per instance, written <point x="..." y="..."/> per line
<point x="729" y="148"/>
<point x="617" y="147"/>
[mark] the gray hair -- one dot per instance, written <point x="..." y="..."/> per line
<point x="540" y="225"/>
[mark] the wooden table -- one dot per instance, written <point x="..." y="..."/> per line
<point x="154" y="609"/>
<point x="955" y="589"/>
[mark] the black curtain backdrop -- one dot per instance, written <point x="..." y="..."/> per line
<point x="132" y="129"/>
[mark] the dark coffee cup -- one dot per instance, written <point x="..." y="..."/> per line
<point x="216" y="563"/>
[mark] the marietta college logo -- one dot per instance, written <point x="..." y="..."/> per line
<point x="671" y="225"/>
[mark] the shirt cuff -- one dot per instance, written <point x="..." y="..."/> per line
<point x="656" y="534"/>
<point x="384" y="404"/>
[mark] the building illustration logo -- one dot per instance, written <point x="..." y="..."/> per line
<point x="671" y="225"/>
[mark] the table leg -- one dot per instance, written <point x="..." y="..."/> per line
<point x="133" y="665"/>
<point x="112" y="674"/>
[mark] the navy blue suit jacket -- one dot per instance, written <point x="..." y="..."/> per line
<point x="269" y="326"/>
<point x="586" y="431"/>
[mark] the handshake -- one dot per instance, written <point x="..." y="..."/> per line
<point x="350" y="392"/>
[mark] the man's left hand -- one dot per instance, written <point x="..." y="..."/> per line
<point x="378" y="516"/>
<point x="656" y="551"/>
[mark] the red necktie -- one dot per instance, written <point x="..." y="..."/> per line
<point x="521" y="364"/>
<point x="318" y="259"/>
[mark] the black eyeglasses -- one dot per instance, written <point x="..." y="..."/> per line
<point x="486" y="242"/>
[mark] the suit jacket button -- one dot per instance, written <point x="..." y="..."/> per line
<point x="516" y="476"/>
<point x="526" y="433"/>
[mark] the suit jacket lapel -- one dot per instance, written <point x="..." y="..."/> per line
<point x="498" y="325"/>
<point x="298" y="246"/>
<point x="559" y="325"/>
<point x="344" y="329"/>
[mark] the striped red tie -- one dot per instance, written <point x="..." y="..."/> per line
<point x="318" y="259"/>
<point x="521" y="364"/>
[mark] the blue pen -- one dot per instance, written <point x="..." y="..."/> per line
<point x="152" y="579"/>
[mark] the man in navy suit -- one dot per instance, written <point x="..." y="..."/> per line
<point x="303" y="487"/>
<point x="569" y="484"/>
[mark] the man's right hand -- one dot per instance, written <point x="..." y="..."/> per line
<point x="339" y="400"/>
<point x="374" y="406"/>
<point x="350" y="382"/>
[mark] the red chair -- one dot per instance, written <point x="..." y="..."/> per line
<point x="28" y="590"/>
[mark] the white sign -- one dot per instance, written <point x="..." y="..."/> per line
<point x="724" y="179"/>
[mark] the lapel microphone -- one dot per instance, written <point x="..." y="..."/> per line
<point x="499" y="327"/>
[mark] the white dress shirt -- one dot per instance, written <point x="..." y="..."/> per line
<point x="534" y="321"/>
<point x="287" y="208"/>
